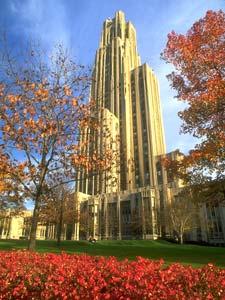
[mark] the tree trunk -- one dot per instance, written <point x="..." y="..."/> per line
<point x="33" y="231"/>
<point x="181" y="240"/>
<point x="60" y="225"/>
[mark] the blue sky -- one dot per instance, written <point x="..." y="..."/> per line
<point x="78" y="24"/>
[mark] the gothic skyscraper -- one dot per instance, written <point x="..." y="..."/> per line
<point x="130" y="92"/>
<point x="126" y="93"/>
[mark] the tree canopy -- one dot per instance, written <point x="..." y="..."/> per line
<point x="198" y="58"/>
<point x="44" y="104"/>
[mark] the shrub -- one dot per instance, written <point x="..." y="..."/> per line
<point x="29" y="275"/>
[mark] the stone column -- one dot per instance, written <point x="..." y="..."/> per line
<point x="89" y="208"/>
<point x="99" y="215"/>
<point x="94" y="219"/>
<point x="106" y="216"/>
<point x="75" y="234"/>
<point x="53" y="231"/>
<point x="143" y="218"/>
<point x="119" y="237"/>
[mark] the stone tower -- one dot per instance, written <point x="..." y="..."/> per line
<point x="128" y="92"/>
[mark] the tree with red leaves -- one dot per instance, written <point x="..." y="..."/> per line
<point x="199" y="79"/>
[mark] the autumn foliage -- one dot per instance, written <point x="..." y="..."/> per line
<point x="9" y="194"/>
<point x="44" y="110"/>
<point x="198" y="58"/>
<point x="25" y="275"/>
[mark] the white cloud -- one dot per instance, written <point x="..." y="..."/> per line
<point x="42" y="20"/>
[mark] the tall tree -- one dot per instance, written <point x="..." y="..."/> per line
<point x="43" y="105"/>
<point x="198" y="58"/>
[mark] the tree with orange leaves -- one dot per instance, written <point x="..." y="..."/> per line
<point x="199" y="79"/>
<point x="9" y="195"/>
<point x="43" y="105"/>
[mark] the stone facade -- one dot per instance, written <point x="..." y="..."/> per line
<point x="124" y="215"/>
<point x="17" y="226"/>
<point x="127" y="92"/>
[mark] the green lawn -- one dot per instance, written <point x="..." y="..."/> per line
<point x="185" y="254"/>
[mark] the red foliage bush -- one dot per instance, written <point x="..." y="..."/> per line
<point x="29" y="275"/>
